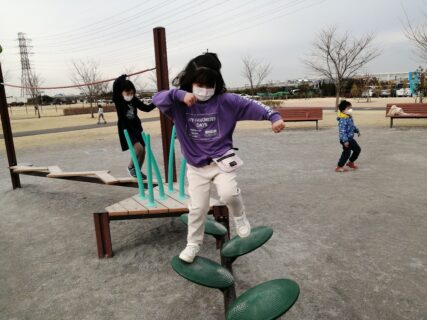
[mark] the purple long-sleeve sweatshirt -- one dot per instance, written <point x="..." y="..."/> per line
<point x="205" y="130"/>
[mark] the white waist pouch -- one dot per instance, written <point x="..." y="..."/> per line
<point x="229" y="161"/>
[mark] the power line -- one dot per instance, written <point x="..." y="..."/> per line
<point x="74" y="85"/>
<point x="130" y="34"/>
<point x="73" y="31"/>
<point x="86" y="35"/>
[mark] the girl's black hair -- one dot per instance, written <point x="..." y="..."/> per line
<point x="203" y="70"/>
<point x="128" y="86"/>
<point x="343" y="105"/>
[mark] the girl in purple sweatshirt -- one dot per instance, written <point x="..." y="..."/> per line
<point x="205" y="117"/>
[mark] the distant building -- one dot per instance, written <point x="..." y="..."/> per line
<point x="397" y="77"/>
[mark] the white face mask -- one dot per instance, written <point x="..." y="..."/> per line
<point x="203" y="94"/>
<point x="349" y="112"/>
<point x="128" y="98"/>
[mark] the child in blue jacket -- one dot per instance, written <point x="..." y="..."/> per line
<point x="347" y="129"/>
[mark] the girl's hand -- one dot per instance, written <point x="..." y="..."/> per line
<point x="278" y="126"/>
<point x="189" y="99"/>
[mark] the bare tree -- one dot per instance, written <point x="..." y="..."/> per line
<point x="34" y="81"/>
<point x="339" y="57"/>
<point x="418" y="35"/>
<point x="152" y="76"/>
<point x="255" y="72"/>
<point x="136" y="79"/>
<point x="88" y="72"/>
<point x="420" y="86"/>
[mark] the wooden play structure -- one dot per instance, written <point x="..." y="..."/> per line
<point x="101" y="177"/>
<point x="268" y="300"/>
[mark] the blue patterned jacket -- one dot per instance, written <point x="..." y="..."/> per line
<point x="346" y="127"/>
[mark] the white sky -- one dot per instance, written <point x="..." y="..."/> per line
<point x="118" y="35"/>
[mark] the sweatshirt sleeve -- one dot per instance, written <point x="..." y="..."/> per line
<point x="356" y="129"/>
<point x="248" y="109"/>
<point x="167" y="99"/>
<point x="142" y="106"/>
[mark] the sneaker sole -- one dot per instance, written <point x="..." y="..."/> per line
<point x="186" y="258"/>
<point x="244" y="235"/>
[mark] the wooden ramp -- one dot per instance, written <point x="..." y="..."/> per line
<point x="102" y="177"/>
<point x="136" y="208"/>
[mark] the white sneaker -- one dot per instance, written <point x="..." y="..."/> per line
<point x="243" y="227"/>
<point x="189" y="253"/>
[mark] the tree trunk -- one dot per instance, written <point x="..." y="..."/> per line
<point x="91" y="107"/>
<point x="337" y="95"/>
<point x="252" y="88"/>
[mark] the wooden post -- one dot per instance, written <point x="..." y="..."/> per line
<point x="7" y="134"/>
<point x="103" y="236"/>
<point x="163" y="84"/>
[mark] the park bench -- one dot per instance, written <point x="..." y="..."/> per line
<point x="294" y="114"/>
<point x="413" y="110"/>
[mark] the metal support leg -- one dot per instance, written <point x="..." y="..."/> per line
<point x="221" y="215"/>
<point x="103" y="236"/>
<point x="391" y="122"/>
<point x="229" y="296"/>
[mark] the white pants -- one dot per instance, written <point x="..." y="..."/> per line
<point x="199" y="187"/>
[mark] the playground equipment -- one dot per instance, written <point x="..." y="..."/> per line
<point x="156" y="203"/>
<point x="161" y="68"/>
<point x="159" y="204"/>
<point x="265" y="301"/>
<point x="101" y="177"/>
<point x="268" y="300"/>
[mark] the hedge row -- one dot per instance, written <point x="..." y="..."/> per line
<point x="86" y="110"/>
<point x="272" y="103"/>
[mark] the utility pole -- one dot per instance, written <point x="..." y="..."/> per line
<point x="24" y="51"/>
<point x="28" y="78"/>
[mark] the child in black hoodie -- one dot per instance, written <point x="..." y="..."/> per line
<point x="126" y="107"/>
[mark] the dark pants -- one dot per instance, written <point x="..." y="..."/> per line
<point x="346" y="153"/>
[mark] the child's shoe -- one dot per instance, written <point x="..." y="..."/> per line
<point x="189" y="253"/>
<point x="352" y="165"/>
<point x="340" y="169"/>
<point x="243" y="228"/>
<point x="144" y="177"/>
<point x="132" y="172"/>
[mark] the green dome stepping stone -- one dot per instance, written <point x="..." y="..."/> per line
<point x="204" y="272"/>
<point x="239" y="246"/>
<point x="212" y="227"/>
<point x="268" y="300"/>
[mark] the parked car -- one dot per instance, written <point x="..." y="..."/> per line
<point x="146" y="100"/>
<point x="385" y="93"/>
<point x="404" y="92"/>
<point x="368" y="93"/>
